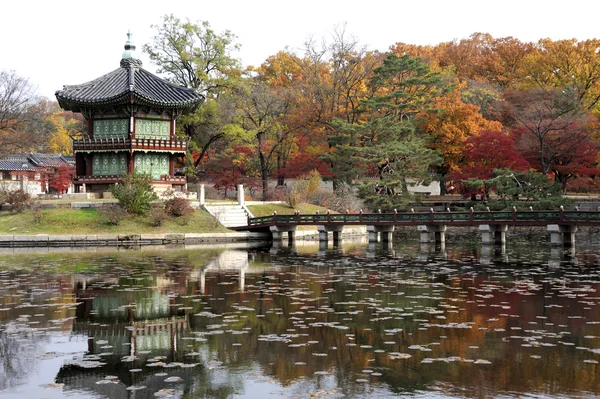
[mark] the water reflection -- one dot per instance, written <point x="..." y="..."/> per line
<point x="353" y="320"/>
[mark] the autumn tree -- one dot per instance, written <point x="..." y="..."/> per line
<point x="20" y="111"/>
<point x="567" y="65"/>
<point x="61" y="179"/>
<point x="449" y="125"/>
<point x="486" y="152"/>
<point x="259" y="110"/>
<point x="552" y="131"/>
<point x="60" y="127"/>
<point x="232" y="166"/>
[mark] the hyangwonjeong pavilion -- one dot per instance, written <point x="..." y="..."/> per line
<point x="131" y="115"/>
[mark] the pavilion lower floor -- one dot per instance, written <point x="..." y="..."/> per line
<point x="97" y="171"/>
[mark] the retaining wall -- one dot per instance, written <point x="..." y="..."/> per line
<point x="45" y="240"/>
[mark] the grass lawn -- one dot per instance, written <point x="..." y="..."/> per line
<point x="284" y="209"/>
<point x="89" y="221"/>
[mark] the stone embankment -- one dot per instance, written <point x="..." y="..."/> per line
<point x="45" y="240"/>
<point x="91" y="240"/>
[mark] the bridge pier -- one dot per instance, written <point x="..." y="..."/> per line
<point x="492" y="234"/>
<point x="278" y="232"/>
<point x="489" y="252"/>
<point x="432" y="233"/>
<point x="562" y="234"/>
<point x="325" y="229"/>
<point x="385" y="232"/>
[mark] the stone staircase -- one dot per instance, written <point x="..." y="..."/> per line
<point x="229" y="214"/>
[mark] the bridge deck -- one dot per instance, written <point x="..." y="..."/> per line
<point x="469" y="218"/>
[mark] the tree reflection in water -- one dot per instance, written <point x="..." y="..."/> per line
<point x="355" y="321"/>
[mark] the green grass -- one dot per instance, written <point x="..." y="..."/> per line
<point x="284" y="209"/>
<point x="69" y="221"/>
<point x="89" y="221"/>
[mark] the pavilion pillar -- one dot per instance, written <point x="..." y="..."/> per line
<point x="131" y="165"/>
<point x="432" y="233"/>
<point x="562" y="235"/>
<point x="492" y="234"/>
<point x="171" y="165"/>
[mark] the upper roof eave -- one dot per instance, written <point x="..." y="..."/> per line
<point x="116" y="88"/>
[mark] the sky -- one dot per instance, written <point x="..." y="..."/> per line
<point x="62" y="42"/>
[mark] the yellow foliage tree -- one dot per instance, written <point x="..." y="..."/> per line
<point x="450" y="124"/>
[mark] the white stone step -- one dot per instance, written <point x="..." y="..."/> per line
<point x="229" y="215"/>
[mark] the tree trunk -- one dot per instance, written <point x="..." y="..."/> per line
<point x="263" y="166"/>
<point x="443" y="185"/>
<point x="280" y="176"/>
<point x="205" y="149"/>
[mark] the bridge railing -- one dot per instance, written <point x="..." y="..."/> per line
<point x="468" y="217"/>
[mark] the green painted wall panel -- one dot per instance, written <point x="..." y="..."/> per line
<point x="153" y="163"/>
<point x="109" y="163"/>
<point x="111" y="128"/>
<point x="151" y="129"/>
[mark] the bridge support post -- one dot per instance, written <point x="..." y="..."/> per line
<point x="373" y="236"/>
<point x="492" y="234"/>
<point x="335" y="229"/>
<point x="375" y="232"/>
<point x="432" y="233"/>
<point x="562" y="235"/>
<point x="278" y="232"/>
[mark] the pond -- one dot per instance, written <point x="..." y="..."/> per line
<point x="356" y="321"/>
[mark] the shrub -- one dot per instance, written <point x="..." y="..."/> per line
<point x="18" y="200"/>
<point x="314" y="182"/>
<point x="113" y="213"/>
<point x="36" y="212"/>
<point x="157" y="215"/>
<point x="296" y="193"/>
<point x="178" y="207"/>
<point x="135" y="192"/>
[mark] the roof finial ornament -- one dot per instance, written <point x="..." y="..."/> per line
<point x="130" y="56"/>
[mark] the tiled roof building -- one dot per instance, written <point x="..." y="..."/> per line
<point x="131" y="116"/>
<point x="30" y="172"/>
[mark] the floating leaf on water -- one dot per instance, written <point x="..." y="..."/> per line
<point x="135" y="387"/>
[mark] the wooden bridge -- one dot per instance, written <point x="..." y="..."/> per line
<point x="561" y="224"/>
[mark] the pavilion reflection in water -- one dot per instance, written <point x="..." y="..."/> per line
<point x="128" y="327"/>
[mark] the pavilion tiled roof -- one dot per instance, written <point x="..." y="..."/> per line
<point x="118" y="87"/>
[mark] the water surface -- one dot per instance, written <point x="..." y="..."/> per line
<point x="356" y="321"/>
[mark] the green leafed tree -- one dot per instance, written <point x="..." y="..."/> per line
<point x="193" y="55"/>
<point x="385" y="143"/>
<point x="399" y="164"/>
